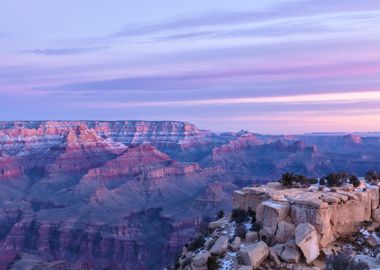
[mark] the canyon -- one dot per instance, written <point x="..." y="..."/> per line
<point x="130" y="194"/>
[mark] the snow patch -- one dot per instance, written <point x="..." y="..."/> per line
<point x="227" y="264"/>
<point x="248" y="226"/>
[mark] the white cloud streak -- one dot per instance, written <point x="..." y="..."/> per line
<point x="293" y="99"/>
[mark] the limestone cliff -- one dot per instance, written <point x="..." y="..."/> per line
<point x="273" y="227"/>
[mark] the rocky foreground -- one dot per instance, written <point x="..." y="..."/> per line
<point x="274" y="227"/>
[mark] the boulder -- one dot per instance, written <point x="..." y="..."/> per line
<point x="274" y="185"/>
<point x="313" y="189"/>
<point x="220" y="246"/>
<point x="272" y="214"/>
<point x="373" y="240"/>
<point x="348" y="187"/>
<point x="235" y="245"/>
<point x="218" y="223"/>
<point x="277" y="197"/>
<point x="307" y="241"/>
<point x="291" y="253"/>
<point x="274" y="257"/>
<point x="266" y="236"/>
<point x="327" y="251"/>
<point x="201" y="258"/>
<point x="330" y="198"/>
<point x="376" y="215"/>
<point x="278" y="248"/>
<point x="209" y="242"/>
<point x="285" y="231"/>
<point x="254" y="254"/>
<point x="251" y="237"/>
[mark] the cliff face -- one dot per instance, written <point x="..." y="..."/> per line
<point x="100" y="194"/>
<point x="129" y="194"/>
<point x="274" y="227"/>
<point x="334" y="214"/>
<point x="128" y="245"/>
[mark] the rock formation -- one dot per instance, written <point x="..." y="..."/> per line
<point x="332" y="214"/>
<point x="292" y="228"/>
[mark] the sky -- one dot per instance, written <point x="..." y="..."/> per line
<point x="274" y="66"/>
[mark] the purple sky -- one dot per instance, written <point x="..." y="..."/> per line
<point x="273" y="67"/>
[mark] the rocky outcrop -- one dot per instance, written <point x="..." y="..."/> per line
<point x="271" y="236"/>
<point x="243" y="142"/>
<point x="333" y="214"/>
<point x="142" y="161"/>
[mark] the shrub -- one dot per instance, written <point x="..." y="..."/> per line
<point x="338" y="179"/>
<point x="313" y="181"/>
<point x="196" y="243"/>
<point x="354" y="180"/>
<point x="204" y="229"/>
<point x="220" y="214"/>
<point x="290" y="180"/>
<point x="241" y="231"/>
<point x="287" y="179"/>
<point x="322" y="181"/>
<point x="372" y="176"/>
<point x="301" y="179"/>
<point x="334" y="180"/>
<point x="344" y="262"/>
<point x="176" y="260"/>
<point x="252" y="215"/>
<point x="239" y="215"/>
<point x="212" y="263"/>
<point x="377" y="231"/>
<point x="257" y="227"/>
<point x="366" y="223"/>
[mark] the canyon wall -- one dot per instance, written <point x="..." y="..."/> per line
<point x="129" y="194"/>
